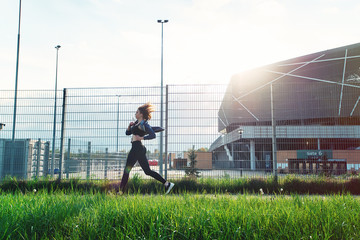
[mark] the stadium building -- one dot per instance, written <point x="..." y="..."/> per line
<point x="313" y="101"/>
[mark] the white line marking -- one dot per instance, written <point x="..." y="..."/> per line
<point x="284" y="74"/>
<point x="324" y="60"/>
<point x="246" y="108"/>
<point x="355" y="106"/>
<point x="222" y="108"/>
<point x="315" y="79"/>
<point x="222" y="121"/>
<point x="342" y="82"/>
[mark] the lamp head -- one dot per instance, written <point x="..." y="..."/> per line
<point x="58" y="46"/>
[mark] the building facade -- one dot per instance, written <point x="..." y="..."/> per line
<point x="311" y="102"/>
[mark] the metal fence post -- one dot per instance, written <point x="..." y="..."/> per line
<point x="12" y="158"/>
<point x="46" y="158"/>
<point x="166" y="128"/>
<point x="273" y="124"/>
<point x="38" y="156"/>
<point x="106" y="162"/>
<point x="161" y="136"/>
<point x="67" y="163"/>
<point x="61" y="158"/>
<point x="88" y="161"/>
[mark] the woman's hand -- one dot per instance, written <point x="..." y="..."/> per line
<point x="138" y="138"/>
<point x="130" y="124"/>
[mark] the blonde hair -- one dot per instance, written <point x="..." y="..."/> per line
<point x="146" y="110"/>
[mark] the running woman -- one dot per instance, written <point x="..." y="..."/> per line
<point x="141" y="130"/>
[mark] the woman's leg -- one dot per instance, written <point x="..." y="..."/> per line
<point x="142" y="159"/>
<point x="130" y="162"/>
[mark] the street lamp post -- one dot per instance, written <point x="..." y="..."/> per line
<point x="15" y="97"/>
<point x="16" y="78"/>
<point x="161" y="106"/>
<point x="54" y="126"/>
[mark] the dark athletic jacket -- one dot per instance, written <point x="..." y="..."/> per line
<point x="149" y="134"/>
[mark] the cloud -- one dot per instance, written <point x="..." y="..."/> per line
<point x="207" y="13"/>
<point x="331" y="10"/>
<point x="210" y="4"/>
<point x="141" y="43"/>
<point x="117" y="42"/>
<point x="269" y="10"/>
<point x="356" y="9"/>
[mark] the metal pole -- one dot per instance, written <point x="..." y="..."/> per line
<point x="166" y="128"/>
<point x="54" y="124"/>
<point x="15" y="97"/>
<point x="161" y="106"/>
<point x="46" y="158"/>
<point x="38" y="158"/>
<point x="88" y="162"/>
<point x="161" y="97"/>
<point x="16" y="77"/>
<point x="61" y="157"/>
<point x="106" y="162"/>
<point x="273" y="124"/>
<point x="68" y="159"/>
<point x="117" y="126"/>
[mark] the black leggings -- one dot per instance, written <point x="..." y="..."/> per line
<point x="138" y="153"/>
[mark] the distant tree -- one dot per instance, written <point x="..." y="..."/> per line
<point x="192" y="171"/>
<point x="202" y="149"/>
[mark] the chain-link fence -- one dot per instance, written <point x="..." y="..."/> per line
<point x="233" y="132"/>
<point x="29" y="155"/>
<point x="90" y="140"/>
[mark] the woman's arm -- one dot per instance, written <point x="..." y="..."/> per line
<point x="128" y="131"/>
<point x="149" y="131"/>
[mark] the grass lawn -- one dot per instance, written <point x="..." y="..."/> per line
<point x="43" y="215"/>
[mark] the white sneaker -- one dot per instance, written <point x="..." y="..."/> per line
<point x="169" y="187"/>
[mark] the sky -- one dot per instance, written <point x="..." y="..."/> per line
<point x="117" y="43"/>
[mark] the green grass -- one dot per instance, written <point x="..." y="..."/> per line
<point x="77" y="215"/>
<point x="290" y="184"/>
